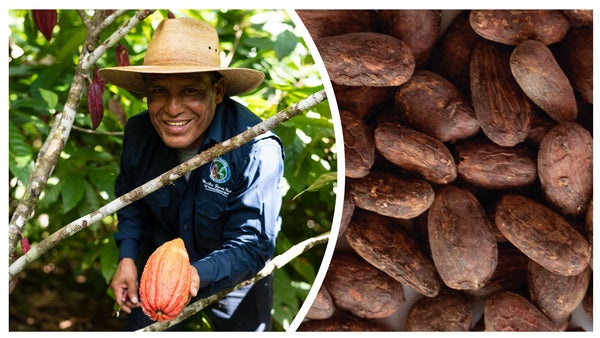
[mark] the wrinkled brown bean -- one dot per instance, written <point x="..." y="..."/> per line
<point x="389" y="247"/>
<point x="361" y="289"/>
<point x="445" y="312"/>
<point x="510" y="273"/>
<point x="565" y="167"/>
<point x="508" y="311"/>
<point x="419" y="29"/>
<point x="364" y="101"/>
<point x="321" y="23"/>
<point x="542" y="234"/>
<point x="462" y="244"/>
<point x="366" y="59"/>
<point x="540" y="77"/>
<point x="451" y="57"/>
<point x="514" y="26"/>
<point x="433" y="105"/>
<point x="556" y="295"/>
<point x="577" y="58"/>
<point x="346" y="323"/>
<point x="322" y="307"/>
<point x="416" y="152"/>
<point x="358" y="145"/>
<point x="391" y="195"/>
<point x="502" y="109"/>
<point x="488" y="165"/>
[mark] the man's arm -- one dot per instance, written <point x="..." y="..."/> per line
<point x="251" y="226"/>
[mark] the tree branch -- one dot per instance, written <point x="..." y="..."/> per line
<point x="95" y="132"/>
<point x="272" y="266"/>
<point x="236" y="42"/>
<point x="163" y="180"/>
<point x="61" y="129"/>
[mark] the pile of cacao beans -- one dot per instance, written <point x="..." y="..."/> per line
<point x="468" y="153"/>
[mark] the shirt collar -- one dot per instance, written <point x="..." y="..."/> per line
<point x="214" y="133"/>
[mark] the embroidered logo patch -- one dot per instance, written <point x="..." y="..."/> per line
<point x="219" y="170"/>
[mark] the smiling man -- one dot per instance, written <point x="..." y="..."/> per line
<point x="227" y="211"/>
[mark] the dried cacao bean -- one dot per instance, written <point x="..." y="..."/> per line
<point x="512" y="27"/>
<point x="565" y="167"/>
<point x="364" y="101"/>
<point x="419" y="29"/>
<point x="347" y="212"/>
<point x="366" y="59"/>
<point x="488" y="165"/>
<point x="361" y="289"/>
<point x="583" y="17"/>
<point x="556" y="295"/>
<point x="577" y="58"/>
<point x="503" y="110"/>
<point x="433" y="105"/>
<point x="508" y="311"/>
<point x="321" y="23"/>
<point x="463" y="247"/>
<point x="391" y="195"/>
<point x="540" y="77"/>
<point x="359" y="146"/>
<point x="445" y="312"/>
<point x="542" y="234"/>
<point x="416" y="152"/>
<point x="337" y="324"/>
<point x="389" y="247"/>
<point x="510" y="273"/>
<point x="322" y="307"/>
<point x="451" y="57"/>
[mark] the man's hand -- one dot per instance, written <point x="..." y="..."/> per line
<point x="195" y="282"/>
<point x="125" y="279"/>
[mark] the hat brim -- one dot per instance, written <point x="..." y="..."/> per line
<point x="237" y="80"/>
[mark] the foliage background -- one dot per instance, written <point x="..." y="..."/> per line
<point x="58" y="291"/>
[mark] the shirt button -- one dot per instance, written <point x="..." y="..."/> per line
<point x="185" y="227"/>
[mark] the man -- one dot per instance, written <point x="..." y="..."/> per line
<point x="227" y="211"/>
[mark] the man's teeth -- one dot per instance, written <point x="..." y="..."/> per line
<point x="177" y="123"/>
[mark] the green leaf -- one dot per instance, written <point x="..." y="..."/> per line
<point x="109" y="257"/>
<point x="20" y="159"/>
<point x="320" y="182"/>
<point x="50" y="194"/>
<point x="284" y="299"/>
<point x="72" y="191"/>
<point x="50" y="97"/>
<point x="285" y="44"/>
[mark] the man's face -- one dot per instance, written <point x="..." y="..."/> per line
<point x="182" y="106"/>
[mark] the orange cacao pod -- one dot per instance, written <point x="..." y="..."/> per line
<point x="165" y="283"/>
<point x="45" y="20"/>
<point x="95" y="103"/>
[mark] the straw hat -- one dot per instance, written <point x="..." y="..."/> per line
<point x="183" y="45"/>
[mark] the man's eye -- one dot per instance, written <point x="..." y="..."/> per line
<point x="157" y="90"/>
<point x="190" y="91"/>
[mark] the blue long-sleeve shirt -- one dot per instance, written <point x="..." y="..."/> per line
<point x="227" y="213"/>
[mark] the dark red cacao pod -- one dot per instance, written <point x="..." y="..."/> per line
<point x="25" y="245"/>
<point x="95" y="104"/>
<point x="122" y="55"/>
<point x="97" y="79"/>
<point x="45" y="20"/>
